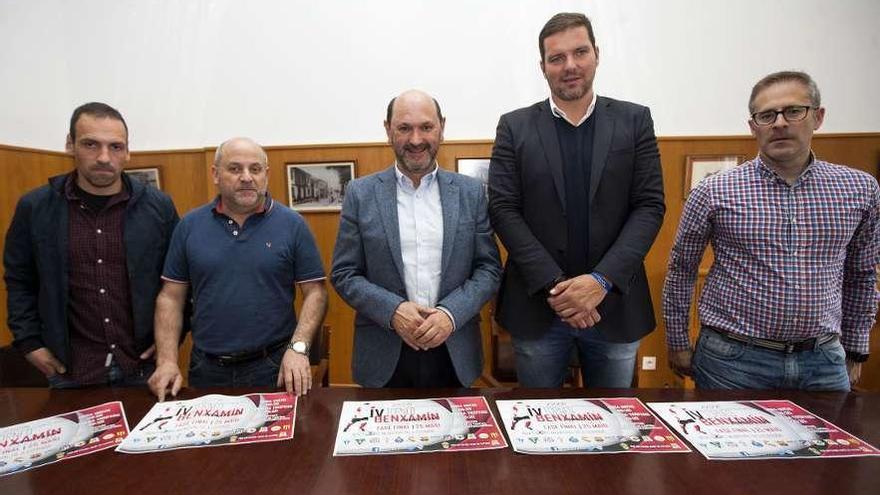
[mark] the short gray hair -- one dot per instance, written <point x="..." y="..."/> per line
<point x="786" y="76"/>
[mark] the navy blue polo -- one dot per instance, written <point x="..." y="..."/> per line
<point x="243" y="276"/>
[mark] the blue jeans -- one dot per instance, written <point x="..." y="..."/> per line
<point x="542" y="362"/>
<point x="721" y="363"/>
<point x="260" y="372"/>
<point x="115" y="377"/>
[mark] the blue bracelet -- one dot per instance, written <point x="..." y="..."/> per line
<point x="602" y="281"/>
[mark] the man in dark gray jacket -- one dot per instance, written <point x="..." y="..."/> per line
<point x="82" y="262"/>
<point x="576" y="197"/>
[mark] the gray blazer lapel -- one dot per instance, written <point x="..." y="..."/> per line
<point x="550" y="143"/>
<point x="604" y="123"/>
<point x="386" y="200"/>
<point x="450" y="203"/>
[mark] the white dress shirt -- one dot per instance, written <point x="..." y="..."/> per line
<point x="558" y="112"/>
<point x="420" y="221"/>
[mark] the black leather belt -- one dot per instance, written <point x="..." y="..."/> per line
<point x="787" y="347"/>
<point x="241" y="357"/>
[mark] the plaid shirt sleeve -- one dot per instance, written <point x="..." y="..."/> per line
<point x="693" y="234"/>
<point x="859" y="293"/>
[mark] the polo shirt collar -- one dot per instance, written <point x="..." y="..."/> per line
<point x="266" y="207"/>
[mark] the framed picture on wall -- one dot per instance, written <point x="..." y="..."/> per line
<point x="478" y="168"/>
<point x="146" y="176"/>
<point x="698" y="167"/>
<point x="318" y="186"/>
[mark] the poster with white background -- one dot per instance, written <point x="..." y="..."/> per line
<point x="58" y="438"/>
<point x="585" y="426"/>
<point x="213" y="420"/>
<point x="411" y="426"/>
<point x="759" y="429"/>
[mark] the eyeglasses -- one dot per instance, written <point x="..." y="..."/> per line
<point x="794" y="113"/>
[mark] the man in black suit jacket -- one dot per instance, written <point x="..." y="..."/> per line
<point x="576" y="196"/>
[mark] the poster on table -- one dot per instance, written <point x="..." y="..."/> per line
<point x="417" y="425"/>
<point x="759" y="429"/>
<point x="65" y="436"/>
<point x="585" y="426"/>
<point x="213" y="420"/>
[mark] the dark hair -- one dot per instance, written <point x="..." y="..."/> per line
<point x="564" y="21"/>
<point x="390" y="110"/>
<point x="98" y="110"/>
<point x="786" y="76"/>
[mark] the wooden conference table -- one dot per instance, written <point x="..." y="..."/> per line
<point x="306" y="464"/>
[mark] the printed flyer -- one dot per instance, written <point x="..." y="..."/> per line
<point x="74" y="434"/>
<point x="585" y="426"/>
<point x="417" y="425"/>
<point x="213" y="420"/>
<point x="759" y="429"/>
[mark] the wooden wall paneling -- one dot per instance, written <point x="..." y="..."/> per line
<point x="673" y="156"/>
<point x="182" y="175"/>
<point x="368" y="158"/>
<point x="186" y="177"/>
<point x="23" y="169"/>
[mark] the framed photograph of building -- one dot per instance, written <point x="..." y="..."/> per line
<point x="478" y="168"/>
<point x="318" y="186"/>
<point x="146" y="176"/>
<point x="698" y="167"/>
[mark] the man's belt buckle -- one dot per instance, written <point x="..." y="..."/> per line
<point x="241" y="357"/>
<point x="230" y="359"/>
<point x="787" y="347"/>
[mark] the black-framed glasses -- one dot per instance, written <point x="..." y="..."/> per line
<point x="794" y="113"/>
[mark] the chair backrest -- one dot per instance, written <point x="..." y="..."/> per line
<point x="16" y="371"/>
<point x="319" y="357"/>
<point x="320" y="348"/>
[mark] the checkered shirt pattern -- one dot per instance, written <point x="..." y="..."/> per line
<point x="99" y="296"/>
<point x="791" y="261"/>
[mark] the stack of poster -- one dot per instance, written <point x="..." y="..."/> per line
<point x="417" y="425"/>
<point x="213" y="420"/>
<point x="66" y="436"/>
<point x="585" y="426"/>
<point x="759" y="429"/>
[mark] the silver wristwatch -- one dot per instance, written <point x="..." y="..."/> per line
<point x="299" y="347"/>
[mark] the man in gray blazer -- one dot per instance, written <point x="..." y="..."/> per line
<point x="576" y="196"/>
<point x="416" y="258"/>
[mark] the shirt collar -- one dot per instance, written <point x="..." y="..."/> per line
<point x="264" y="208"/>
<point x="769" y="173"/>
<point x="70" y="190"/>
<point x="559" y="113"/>
<point x="404" y="181"/>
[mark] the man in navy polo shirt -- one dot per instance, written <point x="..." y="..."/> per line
<point x="242" y="254"/>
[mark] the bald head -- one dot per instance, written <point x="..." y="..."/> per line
<point x="242" y="144"/>
<point x="412" y="95"/>
<point x="241" y="173"/>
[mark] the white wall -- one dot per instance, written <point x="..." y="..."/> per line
<point x="191" y="73"/>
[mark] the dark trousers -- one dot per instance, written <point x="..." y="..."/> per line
<point x="116" y="377"/>
<point x="260" y="372"/>
<point x="424" y="369"/>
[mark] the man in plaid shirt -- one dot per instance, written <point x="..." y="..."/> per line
<point x="791" y="297"/>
